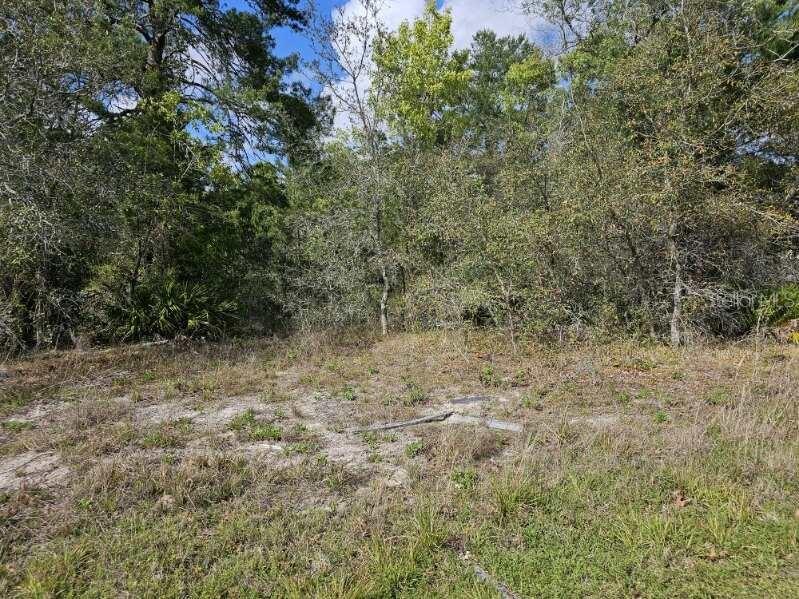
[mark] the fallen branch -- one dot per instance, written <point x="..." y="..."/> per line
<point x="486" y="578"/>
<point x="500" y="425"/>
<point x="500" y="587"/>
<point x="404" y="423"/>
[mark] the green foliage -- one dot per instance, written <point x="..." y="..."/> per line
<point x="644" y="183"/>
<point x="465" y="478"/>
<point x="248" y="425"/>
<point x="243" y="421"/>
<point x="108" y="184"/>
<point x="421" y="77"/>
<point x="414" y="395"/>
<point x="779" y="306"/>
<point x="165" y="308"/>
<point x="414" y="448"/>
<point x="349" y="394"/>
<point x="265" y="432"/>
<point x="489" y="376"/>
<point x="16" y="426"/>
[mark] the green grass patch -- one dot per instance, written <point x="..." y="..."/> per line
<point x="16" y="426"/>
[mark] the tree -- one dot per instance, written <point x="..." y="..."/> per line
<point x="358" y="168"/>
<point x="220" y="58"/>
<point x="669" y="126"/>
<point x="421" y="78"/>
<point x="507" y="76"/>
<point x="130" y="130"/>
<point x="53" y="197"/>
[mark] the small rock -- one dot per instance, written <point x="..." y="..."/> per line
<point x="320" y="563"/>
<point x="399" y="478"/>
<point x="166" y="503"/>
<point x="4" y="374"/>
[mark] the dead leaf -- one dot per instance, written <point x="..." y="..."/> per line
<point x="165" y="503"/>
<point x="714" y="555"/>
<point x="680" y="499"/>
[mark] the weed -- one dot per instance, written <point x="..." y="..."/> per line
<point x="265" y="432"/>
<point x="169" y="393"/>
<point x="165" y="437"/>
<point x="718" y="396"/>
<point x="243" y="421"/>
<point x="643" y="363"/>
<point x="247" y="423"/>
<point x="348" y="394"/>
<point x="414" y="448"/>
<point x="372" y="439"/>
<point x="510" y="493"/>
<point x="661" y="417"/>
<point x="16" y="426"/>
<point x="623" y="398"/>
<point x="415" y="395"/>
<point x="465" y="478"/>
<point x="489" y="376"/>
<point x="532" y="400"/>
<point x="301" y="447"/>
<point x="84" y="503"/>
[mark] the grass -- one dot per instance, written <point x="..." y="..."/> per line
<point x="414" y="395"/>
<point x="628" y="480"/>
<point x="414" y="448"/>
<point x="16" y="426"/>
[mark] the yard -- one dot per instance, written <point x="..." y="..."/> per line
<point x="241" y="469"/>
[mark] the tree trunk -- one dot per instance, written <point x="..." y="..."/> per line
<point x="384" y="301"/>
<point x="676" y="312"/>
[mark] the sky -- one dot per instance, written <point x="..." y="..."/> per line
<point x="468" y="17"/>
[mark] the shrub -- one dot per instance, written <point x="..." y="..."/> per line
<point x="779" y="306"/>
<point x="165" y="308"/>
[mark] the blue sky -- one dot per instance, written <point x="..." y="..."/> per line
<point x="468" y="16"/>
<point x="289" y="42"/>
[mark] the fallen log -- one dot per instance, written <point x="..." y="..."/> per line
<point x="487" y="579"/>
<point x="500" y="425"/>
<point x="404" y="423"/>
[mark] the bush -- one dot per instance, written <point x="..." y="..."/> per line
<point x="779" y="306"/>
<point x="166" y="308"/>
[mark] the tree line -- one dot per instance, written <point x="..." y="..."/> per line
<point x="164" y="172"/>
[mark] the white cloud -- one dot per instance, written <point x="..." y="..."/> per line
<point x="471" y="16"/>
<point x="468" y="17"/>
<point x="392" y="12"/>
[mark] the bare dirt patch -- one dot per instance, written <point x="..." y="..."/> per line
<point x="32" y="469"/>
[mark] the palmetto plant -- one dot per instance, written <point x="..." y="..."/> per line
<point x="168" y="308"/>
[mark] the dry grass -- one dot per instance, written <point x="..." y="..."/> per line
<point x="230" y="468"/>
